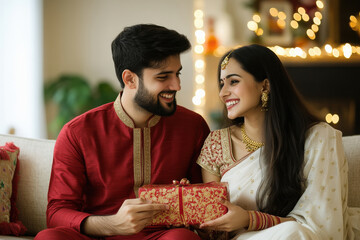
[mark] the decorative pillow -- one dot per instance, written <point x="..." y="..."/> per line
<point x="9" y="168"/>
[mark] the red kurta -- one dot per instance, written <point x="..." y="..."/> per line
<point x="100" y="160"/>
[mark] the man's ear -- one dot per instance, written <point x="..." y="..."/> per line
<point x="266" y="85"/>
<point x="129" y="78"/>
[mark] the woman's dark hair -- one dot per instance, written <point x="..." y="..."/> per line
<point x="286" y="123"/>
<point x="145" y="45"/>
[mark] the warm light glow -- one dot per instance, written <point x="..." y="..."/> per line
<point x="282" y="15"/>
<point x="199" y="49"/>
<point x="219" y="51"/>
<point x="200" y="40"/>
<point x="318" y="15"/>
<point x="317" y="20"/>
<point x="281" y="23"/>
<point x="336" y="53"/>
<point x="199" y="64"/>
<point x="280" y="51"/>
<point x="298" y="51"/>
<point x="319" y="4"/>
<point x="198" y="13"/>
<point x="332" y="118"/>
<point x="353" y="19"/>
<point x="328" y="118"/>
<point x="294" y="24"/>
<point x="252" y="25"/>
<point x="335" y="118"/>
<point x="352" y="25"/>
<point x="196" y="100"/>
<point x="310" y="33"/>
<point x="317" y="51"/>
<point x="328" y="48"/>
<point x="273" y="12"/>
<point x="347" y="50"/>
<point x="297" y="17"/>
<point x="315" y="28"/>
<point x="305" y="17"/>
<point x="200" y="36"/>
<point x="199" y="23"/>
<point x="200" y="33"/>
<point x="311" y="52"/>
<point x="200" y="93"/>
<point x="301" y="10"/>
<point x="199" y="79"/>
<point x="256" y="18"/>
<point x="259" y="31"/>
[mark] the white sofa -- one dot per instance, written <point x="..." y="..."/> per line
<point x="35" y="166"/>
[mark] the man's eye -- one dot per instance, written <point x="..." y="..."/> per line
<point x="162" y="77"/>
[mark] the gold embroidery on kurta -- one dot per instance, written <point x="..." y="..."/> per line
<point x="137" y="159"/>
<point x="141" y="149"/>
<point x="153" y="121"/>
<point x="122" y="114"/>
<point x="147" y="156"/>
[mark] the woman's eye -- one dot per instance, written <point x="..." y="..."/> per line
<point x="234" y="81"/>
<point x="221" y="83"/>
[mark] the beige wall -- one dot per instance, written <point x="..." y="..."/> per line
<point x="78" y="34"/>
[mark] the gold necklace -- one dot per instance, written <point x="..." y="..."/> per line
<point x="250" y="144"/>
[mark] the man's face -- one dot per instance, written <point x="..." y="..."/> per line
<point x="158" y="87"/>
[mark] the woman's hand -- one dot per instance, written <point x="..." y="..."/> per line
<point x="234" y="219"/>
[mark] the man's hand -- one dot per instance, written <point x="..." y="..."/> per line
<point x="234" y="219"/>
<point x="131" y="218"/>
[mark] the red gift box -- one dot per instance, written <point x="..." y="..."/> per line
<point x="188" y="204"/>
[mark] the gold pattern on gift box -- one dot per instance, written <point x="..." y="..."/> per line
<point x="200" y="202"/>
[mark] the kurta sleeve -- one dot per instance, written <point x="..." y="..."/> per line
<point x="67" y="181"/>
<point x="211" y="153"/>
<point x="323" y="205"/>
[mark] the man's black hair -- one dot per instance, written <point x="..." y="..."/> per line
<point x="145" y="45"/>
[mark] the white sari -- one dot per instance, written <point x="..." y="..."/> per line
<point x="320" y="213"/>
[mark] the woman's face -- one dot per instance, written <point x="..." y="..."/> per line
<point x="239" y="91"/>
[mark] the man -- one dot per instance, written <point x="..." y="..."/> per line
<point x="102" y="157"/>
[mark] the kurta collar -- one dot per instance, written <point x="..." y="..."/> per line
<point x="126" y="119"/>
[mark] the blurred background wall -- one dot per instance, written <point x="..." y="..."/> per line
<point x="41" y="41"/>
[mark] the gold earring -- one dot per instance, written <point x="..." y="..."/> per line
<point x="264" y="101"/>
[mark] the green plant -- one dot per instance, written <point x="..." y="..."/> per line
<point x="73" y="96"/>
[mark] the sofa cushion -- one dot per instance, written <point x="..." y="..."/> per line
<point x="36" y="160"/>
<point x="9" y="167"/>
<point x="352" y="152"/>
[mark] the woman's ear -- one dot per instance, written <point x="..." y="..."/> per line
<point x="129" y="79"/>
<point x="266" y="85"/>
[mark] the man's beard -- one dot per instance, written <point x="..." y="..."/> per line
<point x="151" y="103"/>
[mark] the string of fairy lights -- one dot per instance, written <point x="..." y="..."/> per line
<point x="299" y="17"/>
<point x="199" y="59"/>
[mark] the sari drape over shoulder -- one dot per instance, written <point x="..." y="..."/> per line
<point x="320" y="213"/>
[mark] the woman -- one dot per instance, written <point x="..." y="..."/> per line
<point x="286" y="170"/>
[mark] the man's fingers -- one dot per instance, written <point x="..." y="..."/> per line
<point x="135" y="201"/>
<point x="152" y="207"/>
